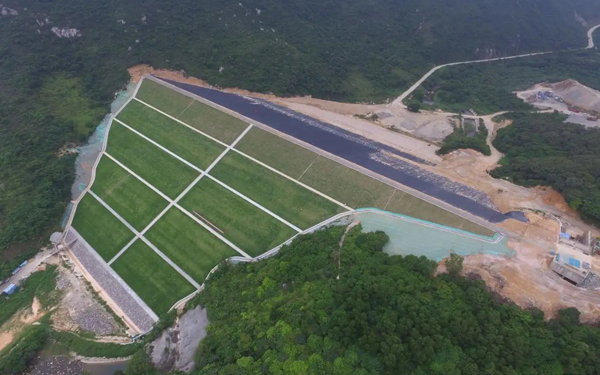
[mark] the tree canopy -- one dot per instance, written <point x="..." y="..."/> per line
<point x="542" y="149"/>
<point x="302" y="312"/>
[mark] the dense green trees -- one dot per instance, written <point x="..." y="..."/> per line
<point x="461" y="138"/>
<point x="16" y="357"/>
<point x="541" y="149"/>
<point x="303" y="313"/>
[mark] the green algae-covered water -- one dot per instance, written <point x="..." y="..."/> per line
<point x="436" y="242"/>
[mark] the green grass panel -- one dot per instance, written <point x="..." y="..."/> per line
<point x="283" y="155"/>
<point x="212" y="121"/>
<point x="175" y="137"/>
<point x="153" y="279"/>
<point x="286" y="198"/>
<point x="251" y="229"/>
<point x="346" y="185"/>
<point x="163" y="98"/>
<point x="160" y="169"/>
<point x="127" y="195"/>
<point x="188" y="244"/>
<point x="100" y="228"/>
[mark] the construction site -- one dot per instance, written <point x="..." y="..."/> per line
<point x="525" y="243"/>
<point x="580" y="103"/>
<point x="529" y="277"/>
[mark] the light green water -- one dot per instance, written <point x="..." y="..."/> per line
<point x="434" y="241"/>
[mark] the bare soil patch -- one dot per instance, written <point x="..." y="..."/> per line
<point x="5" y="339"/>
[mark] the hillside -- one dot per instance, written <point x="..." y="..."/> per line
<point x="319" y="309"/>
<point x="62" y="62"/>
<point x="540" y="149"/>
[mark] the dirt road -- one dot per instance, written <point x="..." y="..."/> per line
<point x="404" y="95"/>
<point x="31" y="266"/>
<point x="591" y="37"/>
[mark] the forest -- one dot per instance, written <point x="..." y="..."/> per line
<point x="462" y="137"/>
<point x="317" y="308"/>
<point x="56" y="89"/>
<point x="488" y="87"/>
<point x="541" y="149"/>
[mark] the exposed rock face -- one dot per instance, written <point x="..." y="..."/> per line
<point x="65" y="32"/>
<point x="7" y="12"/>
<point x="175" y="348"/>
<point x="192" y="328"/>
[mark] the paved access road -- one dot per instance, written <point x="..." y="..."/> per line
<point x="355" y="149"/>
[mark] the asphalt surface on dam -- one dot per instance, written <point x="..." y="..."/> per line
<point x="358" y="150"/>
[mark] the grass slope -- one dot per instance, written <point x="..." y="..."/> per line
<point x="346" y="185"/>
<point x="153" y="279"/>
<point x="253" y="230"/>
<point x="183" y="141"/>
<point x="101" y="229"/>
<point x="287" y="199"/>
<point x="160" y="169"/>
<point x="218" y="124"/>
<point x="188" y="244"/>
<point x="335" y="180"/>
<point x="163" y="98"/>
<point x="277" y="152"/>
<point x="127" y="195"/>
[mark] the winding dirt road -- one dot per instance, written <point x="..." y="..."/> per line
<point x="398" y="101"/>
<point x="591" y="37"/>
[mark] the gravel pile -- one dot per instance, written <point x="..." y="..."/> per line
<point x="591" y="282"/>
<point x="118" y="291"/>
<point x="93" y="318"/>
<point x="63" y="282"/>
<point x="83" y="309"/>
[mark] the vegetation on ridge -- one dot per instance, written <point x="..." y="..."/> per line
<point x="542" y="149"/>
<point x="319" y="309"/>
